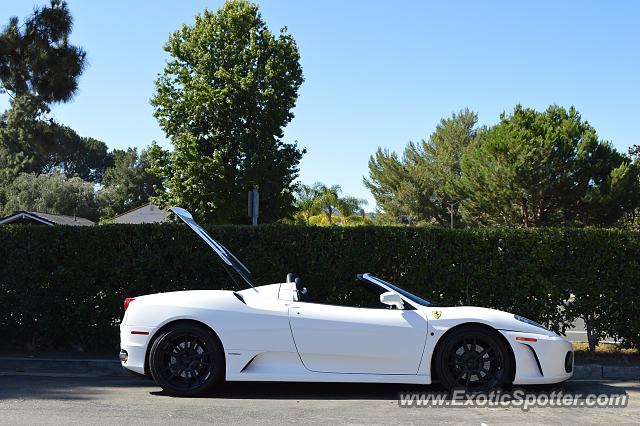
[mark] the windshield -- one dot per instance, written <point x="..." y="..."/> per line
<point x="417" y="299"/>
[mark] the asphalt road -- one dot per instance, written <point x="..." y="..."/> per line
<point x="129" y="400"/>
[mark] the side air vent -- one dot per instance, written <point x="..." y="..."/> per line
<point x="535" y="355"/>
<point x="249" y="363"/>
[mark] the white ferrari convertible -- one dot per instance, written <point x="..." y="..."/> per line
<point x="190" y="342"/>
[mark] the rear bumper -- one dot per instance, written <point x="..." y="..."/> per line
<point x="135" y="345"/>
<point x="547" y="360"/>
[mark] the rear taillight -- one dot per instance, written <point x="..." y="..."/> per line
<point x="127" y="301"/>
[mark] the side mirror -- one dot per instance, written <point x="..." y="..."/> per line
<point x="392" y="298"/>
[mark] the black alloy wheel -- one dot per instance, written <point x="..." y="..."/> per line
<point x="474" y="359"/>
<point x="187" y="360"/>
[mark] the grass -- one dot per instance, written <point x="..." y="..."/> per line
<point x="606" y="353"/>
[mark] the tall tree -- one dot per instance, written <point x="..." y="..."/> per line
<point x="223" y="99"/>
<point x="545" y="169"/>
<point x="36" y="58"/>
<point x="631" y="218"/>
<point x="388" y="176"/>
<point x="50" y="147"/>
<point x="38" y="68"/>
<point x="421" y="187"/>
<point x="328" y="200"/>
<point x="128" y="183"/>
<point x="306" y="199"/>
<point x="51" y="193"/>
<point x="349" y="206"/>
<point x="75" y="155"/>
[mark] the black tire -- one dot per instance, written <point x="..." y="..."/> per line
<point x="474" y="359"/>
<point x="187" y="360"/>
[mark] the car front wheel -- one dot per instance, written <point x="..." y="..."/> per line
<point x="474" y="359"/>
<point x="187" y="360"/>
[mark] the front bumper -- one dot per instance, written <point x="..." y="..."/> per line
<point x="548" y="359"/>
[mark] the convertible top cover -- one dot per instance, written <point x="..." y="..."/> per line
<point x="225" y="255"/>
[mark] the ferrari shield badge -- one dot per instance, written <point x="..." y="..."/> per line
<point x="436" y="314"/>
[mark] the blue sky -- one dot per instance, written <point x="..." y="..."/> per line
<point x="377" y="73"/>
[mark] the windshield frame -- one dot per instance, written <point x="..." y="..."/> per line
<point x="414" y="300"/>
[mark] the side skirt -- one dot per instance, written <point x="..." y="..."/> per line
<point x="332" y="378"/>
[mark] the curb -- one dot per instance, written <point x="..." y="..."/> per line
<point x="607" y="372"/>
<point x="113" y="368"/>
<point x="81" y="367"/>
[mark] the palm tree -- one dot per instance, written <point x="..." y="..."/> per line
<point x="306" y="199"/>
<point x="328" y="200"/>
<point x="348" y="206"/>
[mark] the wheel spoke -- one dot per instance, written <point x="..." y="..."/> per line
<point x="488" y="375"/>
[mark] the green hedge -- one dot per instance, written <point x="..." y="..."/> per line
<point x="62" y="287"/>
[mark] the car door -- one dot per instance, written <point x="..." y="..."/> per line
<point x="341" y="339"/>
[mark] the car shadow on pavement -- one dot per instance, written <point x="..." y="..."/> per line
<point x="60" y="387"/>
<point x="308" y="391"/>
<point x="28" y="387"/>
<point x="374" y="391"/>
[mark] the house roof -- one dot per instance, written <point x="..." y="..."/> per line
<point x="45" y="219"/>
<point x="149" y="213"/>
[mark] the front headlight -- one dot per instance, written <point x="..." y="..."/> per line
<point x="531" y="322"/>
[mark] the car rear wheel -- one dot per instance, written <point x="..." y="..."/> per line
<point x="474" y="359"/>
<point x="187" y="360"/>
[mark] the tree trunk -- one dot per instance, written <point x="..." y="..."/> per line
<point x="525" y="213"/>
<point x="591" y="338"/>
<point x="451" y="213"/>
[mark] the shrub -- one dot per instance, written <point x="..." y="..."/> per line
<point x="63" y="287"/>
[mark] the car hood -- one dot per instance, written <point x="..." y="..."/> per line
<point x="454" y="315"/>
